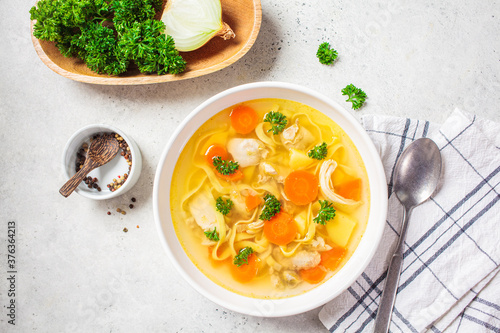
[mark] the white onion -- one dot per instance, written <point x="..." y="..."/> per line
<point x="192" y="23"/>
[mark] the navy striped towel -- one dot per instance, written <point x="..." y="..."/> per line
<point x="449" y="280"/>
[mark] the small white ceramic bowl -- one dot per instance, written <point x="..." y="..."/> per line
<point x="324" y="292"/>
<point x="105" y="174"/>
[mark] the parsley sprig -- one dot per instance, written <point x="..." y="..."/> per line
<point x="326" y="212"/>
<point x="212" y="235"/>
<point x="326" y="54"/>
<point x="277" y="120"/>
<point x="354" y="95"/>
<point x="319" y="152"/>
<point x="242" y="256"/>
<point x="225" y="167"/>
<point x="224" y="207"/>
<point x="271" y="207"/>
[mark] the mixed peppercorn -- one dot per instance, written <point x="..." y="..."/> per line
<point x="92" y="182"/>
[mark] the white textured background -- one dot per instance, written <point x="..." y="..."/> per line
<point x="79" y="272"/>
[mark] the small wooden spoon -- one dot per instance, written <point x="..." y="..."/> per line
<point x="102" y="150"/>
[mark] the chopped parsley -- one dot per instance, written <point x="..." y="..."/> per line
<point x="225" y="167"/>
<point x="242" y="256"/>
<point x="355" y="95"/>
<point x="223" y="206"/>
<point x="212" y="235"/>
<point x="271" y="207"/>
<point x="326" y="212"/>
<point x="326" y="54"/>
<point x="318" y="152"/>
<point x="277" y="120"/>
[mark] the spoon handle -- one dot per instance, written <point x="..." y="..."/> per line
<point x="74" y="181"/>
<point x="384" y="313"/>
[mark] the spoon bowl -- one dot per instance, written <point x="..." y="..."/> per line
<point x="417" y="172"/>
<point x="416" y="177"/>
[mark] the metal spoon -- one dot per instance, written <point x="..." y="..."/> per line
<point x="415" y="178"/>
<point x="102" y="150"/>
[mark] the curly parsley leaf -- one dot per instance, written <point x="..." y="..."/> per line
<point x="152" y="51"/>
<point x="326" y="54"/>
<point x="212" y="235"/>
<point x="225" y="167"/>
<point x="319" y="152"/>
<point x="97" y="46"/>
<point x="242" y="256"/>
<point x="62" y="21"/>
<point x="224" y="207"/>
<point x="271" y="207"/>
<point x="355" y="95"/>
<point x="326" y="212"/>
<point x="277" y="120"/>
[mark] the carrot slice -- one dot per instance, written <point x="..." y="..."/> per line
<point x="246" y="272"/>
<point x="280" y="229"/>
<point x="214" y="151"/>
<point x="252" y="201"/>
<point x="350" y="189"/>
<point x="244" y="119"/>
<point x="301" y="187"/>
<point x="237" y="175"/>
<point x="332" y="258"/>
<point x="313" y="275"/>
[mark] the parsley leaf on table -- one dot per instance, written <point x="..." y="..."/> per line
<point x="326" y="54"/>
<point x="355" y="95"/>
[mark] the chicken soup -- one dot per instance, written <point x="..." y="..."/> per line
<point x="269" y="198"/>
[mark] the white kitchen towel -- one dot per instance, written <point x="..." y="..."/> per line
<point x="449" y="280"/>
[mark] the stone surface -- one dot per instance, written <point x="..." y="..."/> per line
<point x="77" y="271"/>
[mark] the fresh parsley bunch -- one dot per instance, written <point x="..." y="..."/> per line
<point x="108" y="35"/>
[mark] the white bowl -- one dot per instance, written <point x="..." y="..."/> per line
<point x="106" y="173"/>
<point x="316" y="296"/>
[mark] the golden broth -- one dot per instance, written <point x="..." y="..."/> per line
<point x="194" y="178"/>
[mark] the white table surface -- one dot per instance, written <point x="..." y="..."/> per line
<point x="78" y="271"/>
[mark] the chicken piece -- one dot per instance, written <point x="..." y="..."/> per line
<point x="266" y="172"/>
<point x="319" y="244"/>
<point x="306" y="259"/>
<point x="239" y="208"/>
<point x="246" y="151"/>
<point x="290" y="133"/>
<point x="202" y="208"/>
<point x="297" y="137"/>
<point x="326" y="187"/>
<point x="291" y="278"/>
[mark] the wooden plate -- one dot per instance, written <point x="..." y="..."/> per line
<point x="243" y="16"/>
